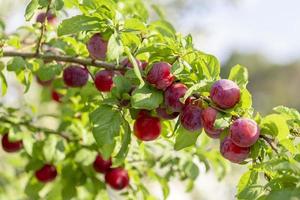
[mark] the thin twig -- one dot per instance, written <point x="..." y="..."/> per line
<point x="34" y="128"/>
<point x="92" y="76"/>
<point x="270" y="142"/>
<point x="43" y="29"/>
<point x="62" y="58"/>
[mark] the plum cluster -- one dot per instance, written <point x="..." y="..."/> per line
<point x="116" y="177"/>
<point x="193" y="116"/>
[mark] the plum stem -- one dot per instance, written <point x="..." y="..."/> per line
<point x="62" y="58"/>
<point x="43" y="29"/>
<point x="270" y="142"/>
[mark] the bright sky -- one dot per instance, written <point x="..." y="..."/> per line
<point x="270" y="27"/>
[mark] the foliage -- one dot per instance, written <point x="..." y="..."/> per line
<point x="91" y="122"/>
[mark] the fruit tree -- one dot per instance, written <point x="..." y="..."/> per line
<point x="136" y="102"/>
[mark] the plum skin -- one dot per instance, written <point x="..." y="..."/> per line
<point x="190" y="118"/>
<point x="101" y="165"/>
<point x="208" y="118"/>
<point x="173" y="95"/>
<point x="117" y="178"/>
<point x="11" y="146"/>
<point x="75" y="76"/>
<point x="146" y="127"/>
<point x="97" y="47"/>
<point x="104" y="80"/>
<point x="160" y="75"/>
<point x="56" y="96"/>
<point x="51" y="18"/>
<point x="232" y="152"/>
<point x="244" y="132"/>
<point x="225" y="93"/>
<point x="163" y="113"/>
<point x="46" y="174"/>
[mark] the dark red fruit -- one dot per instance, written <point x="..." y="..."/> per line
<point x="244" y="132"/>
<point x="101" y="165"/>
<point x="75" y="76"/>
<point x="51" y="18"/>
<point x="11" y="146"/>
<point x="104" y="80"/>
<point x="46" y="174"/>
<point x="225" y="93"/>
<point x="56" y="96"/>
<point x="117" y="178"/>
<point x="97" y="47"/>
<point x="173" y="95"/>
<point x="232" y="152"/>
<point x="165" y="114"/>
<point x="190" y="118"/>
<point x="43" y="83"/>
<point x="208" y="118"/>
<point x="146" y="127"/>
<point x="160" y="75"/>
<point x="126" y="63"/>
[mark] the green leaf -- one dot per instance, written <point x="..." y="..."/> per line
<point x="289" y="145"/>
<point x="120" y="157"/>
<point x="77" y="24"/>
<point x="209" y="66"/>
<point x="46" y="73"/>
<point x="33" y="187"/>
<point x="136" y="68"/>
<point x="191" y="170"/>
<point x="290" y="113"/>
<point x="49" y="148"/>
<point x="146" y="97"/>
<point x="58" y="4"/>
<point x="17" y="64"/>
<point x="106" y="123"/>
<point x="251" y="192"/>
<point x="184" y="138"/>
<point x="69" y="190"/>
<point x="276" y="125"/>
<point x="245" y="103"/>
<point x="28" y="142"/>
<point x="222" y="121"/>
<point x="114" y="48"/>
<point x="3" y="84"/>
<point x="247" y="179"/>
<point x="164" y="28"/>
<point x="133" y="24"/>
<point x="44" y="3"/>
<point x="14" y="41"/>
<point x="30" y="9"/>
<point x="107" y="149"/>
<point x="239" y="74"/>
<point x="122" y="85"/>
<point x="202" y="86"/>
<point x="286" y="193"/>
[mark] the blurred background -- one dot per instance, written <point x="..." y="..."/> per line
<point x="261" y="35"/>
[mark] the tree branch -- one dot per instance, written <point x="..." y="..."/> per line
<point x="62" y="58"/>
<point x="34" y="128"/>
<point x="270" y="142"/>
